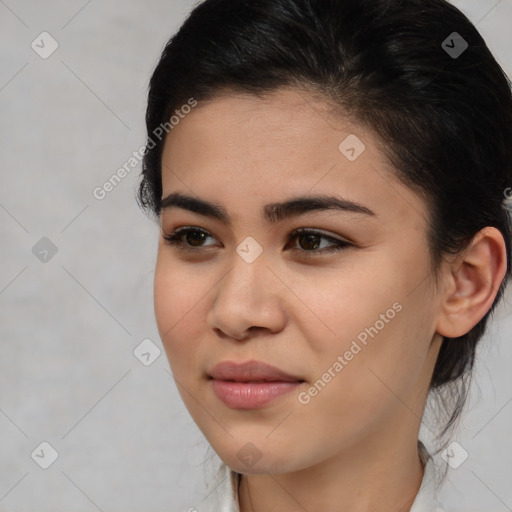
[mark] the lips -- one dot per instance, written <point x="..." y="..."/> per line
<point x="252" y="384"/>
<point x="251" y="371"/>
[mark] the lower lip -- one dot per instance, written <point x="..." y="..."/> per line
<point x="250" y="395"/>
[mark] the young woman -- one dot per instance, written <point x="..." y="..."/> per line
<point x="330" y="180"/>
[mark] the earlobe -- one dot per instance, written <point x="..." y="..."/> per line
<point x="476" y="277"/>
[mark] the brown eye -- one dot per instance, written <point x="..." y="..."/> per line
<point x="309" y="243"/>
<point x="195" y="237"/>
<point x="188" y="238"/>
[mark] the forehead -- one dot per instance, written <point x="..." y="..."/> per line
<point x="241" y="149"/>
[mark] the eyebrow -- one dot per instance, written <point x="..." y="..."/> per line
<point x="272" y="212"/>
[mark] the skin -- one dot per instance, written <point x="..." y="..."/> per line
<point x="354" y="445"/>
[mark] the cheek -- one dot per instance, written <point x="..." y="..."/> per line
<point x="178" y="300"/>
<point x="368" y="330"/>
<point x="380" y="365"/>
<point x="335" y="307"/>
<point x="356" y="386"/>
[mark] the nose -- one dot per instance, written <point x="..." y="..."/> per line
<point x="247" y="300"/>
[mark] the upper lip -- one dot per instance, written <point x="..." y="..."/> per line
<point x="250" y="371"/>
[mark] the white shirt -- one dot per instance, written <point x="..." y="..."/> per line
<point x="222" y="493"/>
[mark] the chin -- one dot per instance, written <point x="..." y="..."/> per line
<point x="252" y="458"/>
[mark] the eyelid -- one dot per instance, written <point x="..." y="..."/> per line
<point x="320" y="233"/>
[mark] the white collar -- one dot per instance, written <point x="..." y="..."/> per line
<point x="222" y="493"/>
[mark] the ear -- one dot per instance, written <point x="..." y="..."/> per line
<point x="474" y="280"/>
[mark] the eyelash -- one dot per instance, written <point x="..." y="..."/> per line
<point x="175" y="239"/>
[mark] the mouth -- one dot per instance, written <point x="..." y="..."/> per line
<point x="252" y="384"/>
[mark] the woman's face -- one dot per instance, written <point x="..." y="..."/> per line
<point x="355" y="327"/>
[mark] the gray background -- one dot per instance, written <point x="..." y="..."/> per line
<point x="69" y="325"/>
